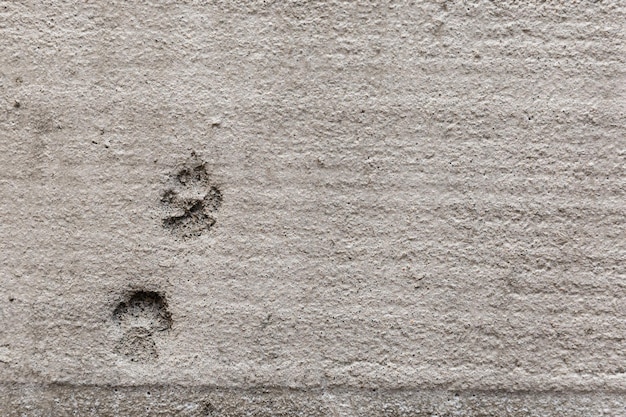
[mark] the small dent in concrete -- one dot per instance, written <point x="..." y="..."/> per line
<point x="209" y="410"/>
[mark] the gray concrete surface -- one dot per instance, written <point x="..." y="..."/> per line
<point x="312" y="208"/>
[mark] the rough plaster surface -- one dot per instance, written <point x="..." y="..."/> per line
<point x="312" y="208"/>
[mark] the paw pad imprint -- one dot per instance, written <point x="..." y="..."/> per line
<point x="142" y="317"/>
<point x="192" y="202"/>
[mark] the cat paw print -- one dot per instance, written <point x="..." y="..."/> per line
<point x="191" y="203"/>
<point x="141" y="318"/>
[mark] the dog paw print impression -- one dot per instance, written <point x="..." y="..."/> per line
<point x="142" y="318"/>
<point x="191" y="203"/>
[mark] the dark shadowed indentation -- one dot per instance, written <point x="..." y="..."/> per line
<point x="147" y="309"/>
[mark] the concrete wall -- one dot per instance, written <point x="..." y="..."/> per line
<point x="341" y="208"/>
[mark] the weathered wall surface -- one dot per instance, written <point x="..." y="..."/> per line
<point x="314" y="208"/>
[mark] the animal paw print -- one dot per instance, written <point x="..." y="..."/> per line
<point x="141" y="318"/>
<point x="191" y="204"/>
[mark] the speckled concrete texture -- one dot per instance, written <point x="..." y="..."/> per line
<point x="65" y="400"/>
<point x="411" y="208"/>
